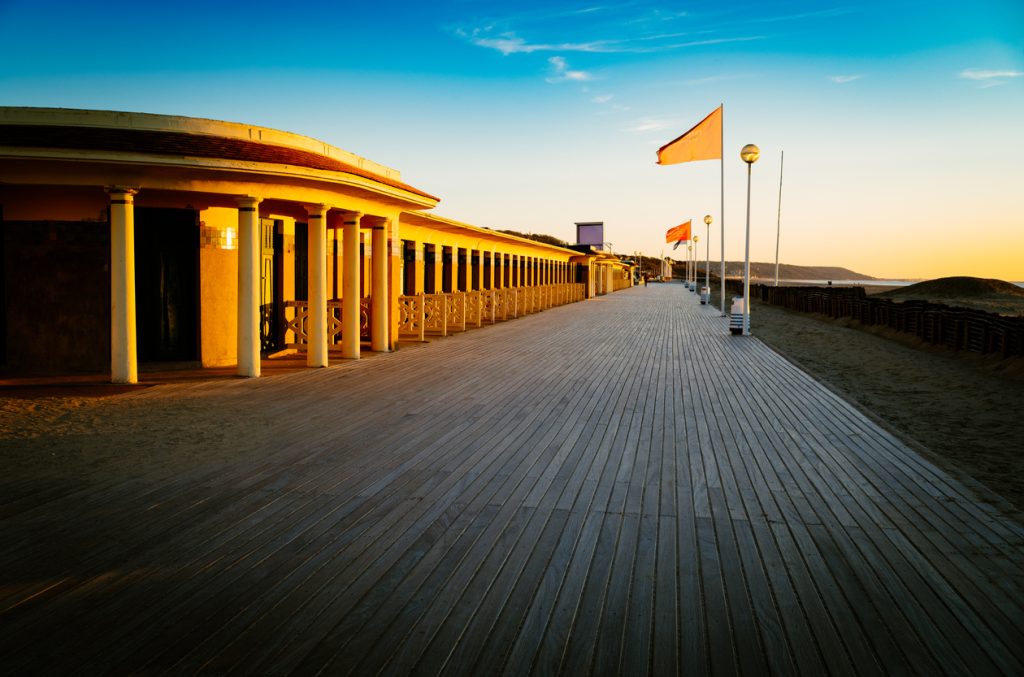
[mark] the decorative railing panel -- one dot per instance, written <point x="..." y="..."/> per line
<point x="435" y="314"/>
<point x="411" y="324"/>
<point x="487" y="309"/>
<point x="365" y="313"/>
<point x="334" y="322"/>
<point x="500" y="304"/>
<point x="474" y="307"/>
<point x="525" y="300"/>
<point x="456" y="311"/>
<point x="296" y="316"/>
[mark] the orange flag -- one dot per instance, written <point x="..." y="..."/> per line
<point x="703" y="142"/>
<point x="680" y="233"/>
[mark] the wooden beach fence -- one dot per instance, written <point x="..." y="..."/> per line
<point x="934" y="323"/>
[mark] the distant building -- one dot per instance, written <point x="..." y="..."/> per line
<point x="590" y="233"/>
<point x="131" y="237"/>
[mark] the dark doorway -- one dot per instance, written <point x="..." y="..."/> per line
<point x="462" y="270"/>
<point x="3" y="294"/>
<point x="301" y="262"/>
<point x="409" y="271"/>
<point x="429" y="269"/>
<point x="446" y="270"/>
<point x="166" y="249"/>
<point x="271" y="277"/>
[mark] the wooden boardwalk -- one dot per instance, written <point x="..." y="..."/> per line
<point x="608" y="487"/>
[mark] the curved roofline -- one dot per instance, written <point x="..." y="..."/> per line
<point x="80" y="117"/>
<point x="163" y="136"/>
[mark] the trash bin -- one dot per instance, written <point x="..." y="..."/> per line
<point x="705" y="295"/>
<point x="736" y="316"/>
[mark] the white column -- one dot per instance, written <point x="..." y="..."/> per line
<point x="248" y="349"/>
<point x="316" y="324"/>
<point x="124" y="366"/>
<point x="381" y="298"/>
<point x="350" y="292"/>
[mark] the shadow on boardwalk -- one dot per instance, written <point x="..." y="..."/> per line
<point x="557" y="494"/>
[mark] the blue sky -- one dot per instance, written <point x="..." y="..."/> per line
<point x="901" y="121"/>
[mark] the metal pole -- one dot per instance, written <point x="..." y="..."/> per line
<point x="690" y="252"/>
<point x="721" y="215"/>
<point x="707" y="262"/>
<point x="778" y="222"/>
<point x="746" y="265"/>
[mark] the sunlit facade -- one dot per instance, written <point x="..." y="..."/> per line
<point x="131" y="237"/>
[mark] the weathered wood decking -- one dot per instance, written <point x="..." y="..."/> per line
<point x="609" y="487"/>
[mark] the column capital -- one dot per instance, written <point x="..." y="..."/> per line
<point x="126" y="193"/>
<point x="317" y="211"/>
<point x="352" y="218"/>
<point x="248" y="202"/>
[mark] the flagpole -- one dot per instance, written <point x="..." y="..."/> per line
<point x="693" y="261"/>
<point x="778" y="222"/>
<point x="721" y="192"/>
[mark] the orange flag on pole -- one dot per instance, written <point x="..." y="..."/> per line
<point x="680" y="233"/>
<point x="703" y="142"/>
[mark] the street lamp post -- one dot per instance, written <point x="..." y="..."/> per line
<point x="693" y="278"/>
<point x="707" y="249"/>
<point x="748" y="154"/>
<point x="778" y="222"/>
<point x="689" y="269"/>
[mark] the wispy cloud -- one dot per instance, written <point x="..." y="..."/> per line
<point x="843" y="79"/>
<point x="562" y="73"/>
<point x="510" y="43"/>
<point x="816" y="14"/>
<point x="989" y="78"/>
<point x="697" y="82"/>
<point x="647" y="125"/>
<point x="603" y="98"/>
<point x="702" y="43"/>
<point x="656" y="16"/>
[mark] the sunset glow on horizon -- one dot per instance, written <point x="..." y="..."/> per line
<point x="902" y="123"/>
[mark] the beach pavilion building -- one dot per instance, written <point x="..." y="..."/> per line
<point x="132" y="237"/>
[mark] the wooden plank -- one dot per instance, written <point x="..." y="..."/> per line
<point x="613" y="486"/>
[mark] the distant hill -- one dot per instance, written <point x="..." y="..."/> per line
<point x="786" y="271"/>
<point x="994" y="296"/>
<point x="968" y="287"/>
<point x="538" y="237"/>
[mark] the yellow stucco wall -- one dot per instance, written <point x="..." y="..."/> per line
<point x="218" y="291"/>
